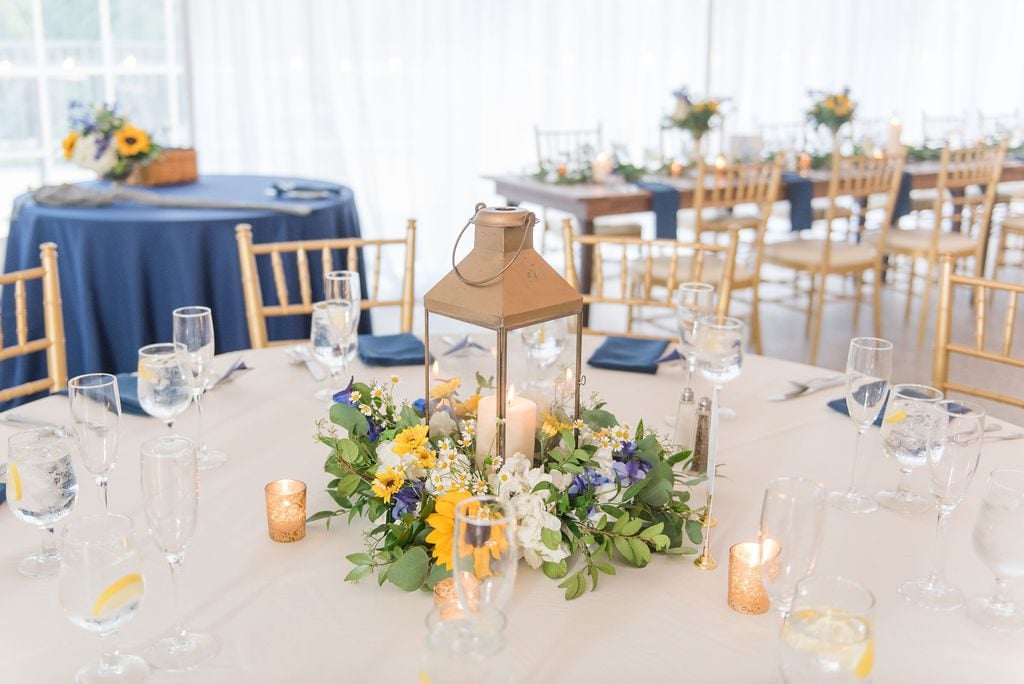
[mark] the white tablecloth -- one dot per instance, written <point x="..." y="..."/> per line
<point x="285" y="614"/>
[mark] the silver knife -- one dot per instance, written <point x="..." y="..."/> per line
<point x="18" y="419"/>
<point x="312" y="366"/>
<point x="785" y="396"/>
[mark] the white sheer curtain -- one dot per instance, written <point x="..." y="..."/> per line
<point x="408" y="102"/>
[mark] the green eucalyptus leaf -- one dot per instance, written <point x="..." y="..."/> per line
<point x="694" y="531"/>
<point x="359" y="572"/>
<point x="320" y="516"/>
<point x="551" y="538"/>
<point x="653" y="530"/>
<point x="348" y="450"/>
<point x="632" y="527"/>
<point x="624" y="549"/>
<point x="598" y="418"/>
<point x="555" y="570"/>
<point x="359" y="559"/>
<point x="411" y="569"/>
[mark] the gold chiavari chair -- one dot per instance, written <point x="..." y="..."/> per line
<point x="1011" y="227"/>
<point x="724" y="189"/>
<point x="257" y="311"/>
<point x="53" y="325"/>
<point x="833" y="254"/>
<point x="639" y="283"/>
<point x="944" y="345"/>
<point x="944" y="131"/>
<point x="960" y="172"/>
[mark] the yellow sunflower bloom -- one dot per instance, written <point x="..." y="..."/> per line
<point x="132" y="141"/>
<point x="445" y="389"/>
<point x="482" y="550"/>
<point x="425" y="457"/>
<point x="387" y="483"/>
<point x="69" y="143"/>
<point x="442" y="522"/>
<point x="552" y="425"/>
<point x="410" y="439"/>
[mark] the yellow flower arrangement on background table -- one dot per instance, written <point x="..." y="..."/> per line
<point x="831" y="110"/>
<point x="105" y="142"/>
<point x="595" y="492"/>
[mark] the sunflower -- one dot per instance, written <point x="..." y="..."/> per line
<point x="552" y="425"/>
<point x="69" y="143"/>
<point x="132" y="141"/>
<point x="442" y="522"/>
<point x="410" y="439"/>
<point x="425" y="457"/>
<point x="482" y="542"/>
<point x="387" y="483"/>
<point x="445" y="389"/>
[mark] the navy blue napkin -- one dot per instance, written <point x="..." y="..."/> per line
<point x="128" y="388"/>
<point x="665" y="204"/>
<point x="3" y="492"/>
<point x="799" y="192"/>
<point x="903" y="205"/>
<point x="840" y="404"/>
<point x="627" y="354"/>
<point x="404" y="349"/>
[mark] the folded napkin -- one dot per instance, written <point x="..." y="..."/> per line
<point x="3" y="492"/>
<point x="404" y="349"/>
<point x="840" y="404"/>
<point x="128" y="389"/>
<point x="304" y="190"/>
<point x="799" y="192"/>
<point x="903" y="205"/>
<point x="627" y="354"/>
<point x="665" y="204"/>
<point x="673" y="355"/>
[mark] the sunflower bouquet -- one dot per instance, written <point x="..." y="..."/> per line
<point x="693" y="116"/>
<point x="105" y="142"/>
<point x="831" y="109"/>
<point x="596" y="492"/>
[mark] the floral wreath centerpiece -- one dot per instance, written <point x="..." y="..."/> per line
<point x="585" y="489"/>
<point x="104" y="141"/>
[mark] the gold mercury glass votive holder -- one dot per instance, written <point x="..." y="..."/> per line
<point x="286" y="510"/>
<point x="446" y="596"/>
<point x="746" y="590"/>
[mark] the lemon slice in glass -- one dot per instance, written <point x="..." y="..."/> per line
<point x="14" y="480"/>
<point x="897" y="417"/>
<point x="117" y="595"/>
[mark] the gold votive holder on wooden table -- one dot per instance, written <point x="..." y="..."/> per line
<point x="286" y="510"/>
<point x="746" y="590"/>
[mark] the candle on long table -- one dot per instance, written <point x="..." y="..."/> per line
<point x="520" y="426"/>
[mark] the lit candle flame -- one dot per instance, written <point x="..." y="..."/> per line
<point x="720" y="161"/>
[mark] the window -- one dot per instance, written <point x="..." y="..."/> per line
<point x="53" y="51"/>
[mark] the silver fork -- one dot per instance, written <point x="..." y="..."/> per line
<point x="809" y="387"/>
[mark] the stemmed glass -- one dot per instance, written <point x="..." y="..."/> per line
<point x="544" y="343"/>
<point x="41" y="489"/>
<point x="343" y="294"/>
<point x="906" y="438"/>
<point x="692" y="300"/>
<point x="170" y="495"/>
<point x="484" y="562"/>
<point x="959" y="431"/>
<point x="163" y="392"/>
<point x="95" y="413"/>
<point x="194" y="346"/>
<point x="101" y="586"/>
<point x="828" y="636"/>
<point x="868" y="368"/>
<point x="1000" y="545"/>
<point x="792" y="523"/>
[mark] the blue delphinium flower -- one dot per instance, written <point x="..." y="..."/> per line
<point x="407" y="500"/>
<point x="420" y="405"/>
<point x="631" y="472"/>
<point x="588" y="478"/>
<point x="345" y="396"/>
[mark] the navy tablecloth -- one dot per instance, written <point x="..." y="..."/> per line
<point x="125" y="267"/>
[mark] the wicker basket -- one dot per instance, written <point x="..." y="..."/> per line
<point x="173" y="166"/>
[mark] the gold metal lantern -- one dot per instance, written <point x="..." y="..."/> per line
<point x="500" y="286"/>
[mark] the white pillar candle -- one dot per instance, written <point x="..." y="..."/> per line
<point x="602" y="167"/>
<point x="520" y="426"/>
<point x="895" y="133"/>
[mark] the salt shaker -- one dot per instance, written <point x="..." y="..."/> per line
<point x="699" y="462"/>
<point x="686" y="420"/>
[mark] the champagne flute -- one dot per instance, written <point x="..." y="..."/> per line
<point x="163" y="392"/>
<point x="544" y="343"/>
<point x="484" y="561"/>
<point x="827" y="636"/>
<point x="692" y="301"/>
<point x="792" y="523"/>
<point x="170" y="496"/>
<point x="719" y="343"/>
<point x="906" y="438"/>
<point x="343" y="294"/>
<point x="95" y="413"/>
<point x="332" y="328"/>
<point x="101" y="586"/>
<point x="868" y="367"/>
<point x="1000" y="545"/>
<point x="959" y="431"/>
<point x="194" y="346"/>
<point x="41" y="489"/>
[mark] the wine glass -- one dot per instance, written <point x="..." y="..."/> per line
<point x="906" y="438"/>
<point x="95" y="413"/>
<point x="194" y="346"/>
<point x="484" y="562"/>
<point x="170" y="495"/>
<point x="868" y="368"/>
<point x="544" y="343"/>
<point x="101" y="586"/>
<point x="343" y="287"/>
<point x="692" y="301"/>
<point x="959" y="430"/>
<point x="719" y="344"/>
<point x="163" y="392"/>
<point x="1000" y="545"/>
<point x="792" y="523"/>
<point x="828" y="636"/>
<point x="332" y="328"/>
<point x="41" y="489"/>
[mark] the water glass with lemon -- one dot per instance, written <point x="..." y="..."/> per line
<point x="163" y="392"/>
<point x="101" y="586"/>
<point x="41" y="489"/>
<point x="907" y="438"/>
<point x="827" y="637"/>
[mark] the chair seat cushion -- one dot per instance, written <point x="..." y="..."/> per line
<point x="807" y="255"/>
<point x="820" y="212"/>
<point x="711" y="272"/>
<point x="618" y="229"/>
<point x="919" y="240"/>
<point x="723" y="222"/>
<point x="1013" y="224"/>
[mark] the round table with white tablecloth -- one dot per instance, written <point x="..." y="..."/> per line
<point x="285" y="614"/>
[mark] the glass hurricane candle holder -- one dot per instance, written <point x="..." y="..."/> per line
<point x="286" y="510"/>
<point x="746" y="590"/>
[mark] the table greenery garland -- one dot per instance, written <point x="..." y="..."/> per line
<point x="599" y="491"/>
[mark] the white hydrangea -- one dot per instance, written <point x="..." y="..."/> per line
<point x="532" y="517"/>
<point x="84" y="154"/>
<point x="441" y="424"/>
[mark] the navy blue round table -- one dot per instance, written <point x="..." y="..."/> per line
<point x="125" y="267"/>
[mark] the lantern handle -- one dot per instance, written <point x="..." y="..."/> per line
<point x="528" y="222"/>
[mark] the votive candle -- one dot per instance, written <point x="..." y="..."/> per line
<point x="286" y="510"/>
<point x="746" y="590"/>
